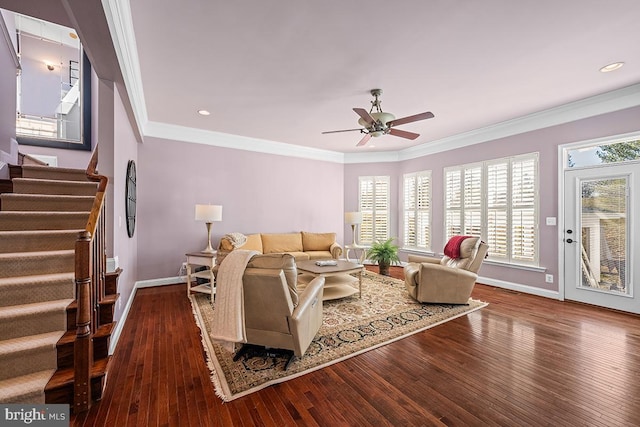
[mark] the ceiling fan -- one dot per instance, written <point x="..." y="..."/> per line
<point x="376" y="122"/>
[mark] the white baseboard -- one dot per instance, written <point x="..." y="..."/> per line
<point x="115" y="336"/>
<point x="526" y="289"/>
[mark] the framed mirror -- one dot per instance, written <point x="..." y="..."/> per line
<point x="53" y="107"/>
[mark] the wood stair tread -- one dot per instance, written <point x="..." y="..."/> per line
<point x="102" y="332"/>
<point x="109" y="299"/>
<point x="64" y="377"/>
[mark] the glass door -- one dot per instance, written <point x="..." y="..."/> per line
<point x="600" y="248"/>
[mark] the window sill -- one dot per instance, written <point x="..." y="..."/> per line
<point x="417" y="251"/>
<point x="516" y="266"/>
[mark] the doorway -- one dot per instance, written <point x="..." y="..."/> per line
<point x="600" y="247"/>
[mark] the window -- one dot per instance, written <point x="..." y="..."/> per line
<point x="496" y="200"/>
<point x="374" y="206"/>
<point x="417" y="214"/>
<point x="53" y="86"/>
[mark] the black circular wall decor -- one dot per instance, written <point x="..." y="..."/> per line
<point x="130" y="202"/>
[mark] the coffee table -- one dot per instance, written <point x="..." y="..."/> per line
<point x="338" y="278"/>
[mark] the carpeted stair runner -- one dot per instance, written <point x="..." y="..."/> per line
<point x="39" y="224"/>
<point x="37" y="240"/>
<point x="39" y="202"/>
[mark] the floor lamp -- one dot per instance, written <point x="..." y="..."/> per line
<point x="353" y="218"/>
<point x="208" y="214"/>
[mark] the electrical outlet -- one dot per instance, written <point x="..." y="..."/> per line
<point x="548" y="278"/>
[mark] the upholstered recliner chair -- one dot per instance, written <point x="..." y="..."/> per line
<point x="275" y="314"/>
<point x="449" y="280"/>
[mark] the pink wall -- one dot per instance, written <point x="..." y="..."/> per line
<point x="258" y="192"/>
<point x="544" y="141"/>
<point x="125" y="248"/>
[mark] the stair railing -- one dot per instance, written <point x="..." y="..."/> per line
<point x="90" y="267"/>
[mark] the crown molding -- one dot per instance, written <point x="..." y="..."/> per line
<point x="608" y="102"/>
<point x="120" y="22"/>
<point x="238" y="142"/>
<point x="118" y="13"/>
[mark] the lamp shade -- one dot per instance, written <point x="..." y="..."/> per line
<point x="208" y="213"/>
<point x="353" y="217"/>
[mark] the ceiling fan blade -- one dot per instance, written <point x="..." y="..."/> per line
<point x="403" y="133"/>
<point x="343" y="130"/>
<point x="365" y="115"/>
<point x="415" y="118"/>
<point x="364" y="140"/>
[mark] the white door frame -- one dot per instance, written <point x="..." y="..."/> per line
<point x="562" y="161"/>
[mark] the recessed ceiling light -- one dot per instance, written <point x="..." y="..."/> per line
<point x="73" y="36"/>
<point x="611" y="67"/>
<point x="203" y="112"/>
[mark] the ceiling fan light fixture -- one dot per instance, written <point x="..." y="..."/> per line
<point x="376" y="133"/>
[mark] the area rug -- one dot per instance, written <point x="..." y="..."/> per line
<point x="351" y="326"/>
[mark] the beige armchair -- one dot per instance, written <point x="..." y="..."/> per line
<point x="276" y="316"/>
<point x="447" y="280"/>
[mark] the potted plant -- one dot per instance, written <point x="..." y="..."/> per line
<point x="384" y="254"/>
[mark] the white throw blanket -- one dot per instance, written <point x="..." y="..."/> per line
<point x="236" y="239"/>
<point x="228" y="312"/>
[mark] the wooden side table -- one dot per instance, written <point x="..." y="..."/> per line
<point x="205" y="259"/>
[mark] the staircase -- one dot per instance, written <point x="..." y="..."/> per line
<point x="40" y="223"/>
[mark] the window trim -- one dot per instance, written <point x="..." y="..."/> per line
<point x="508" y="260"/>
<point x="374" y="179"/>
<point x="428" y="175"/>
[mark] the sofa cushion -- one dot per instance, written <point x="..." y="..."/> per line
<point x="299" y="256"/>
<point x="253" y="243"/>
<point x="317" y="241"/>
<point x="281" y="242"/>
<point x="318" y="255"/>
<point x="284" y="262"/>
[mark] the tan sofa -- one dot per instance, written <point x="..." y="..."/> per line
<point x="447" y="280"/>
<point x="301" y="245"/>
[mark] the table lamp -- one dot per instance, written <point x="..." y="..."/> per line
<point x="353" y="218"/>
<point x="208" y="214"/>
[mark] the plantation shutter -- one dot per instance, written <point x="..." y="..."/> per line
<point x="374" y="206"/>
<point x="409" y="220"/>
<point x="523" y="200"/>
<point x="417" y="200"/>
<point x="453" y="203"/>
<point x="473" y="201"/>
<point x="497" y="209"/>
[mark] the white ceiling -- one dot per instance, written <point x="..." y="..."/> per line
<point x="285" y="71"/>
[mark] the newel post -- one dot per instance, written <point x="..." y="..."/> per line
<point x="83" y="353"/>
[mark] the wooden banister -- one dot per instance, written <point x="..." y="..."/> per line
<point x="90" y="266"/>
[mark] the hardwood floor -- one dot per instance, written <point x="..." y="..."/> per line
<point x="523" y="360"/>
